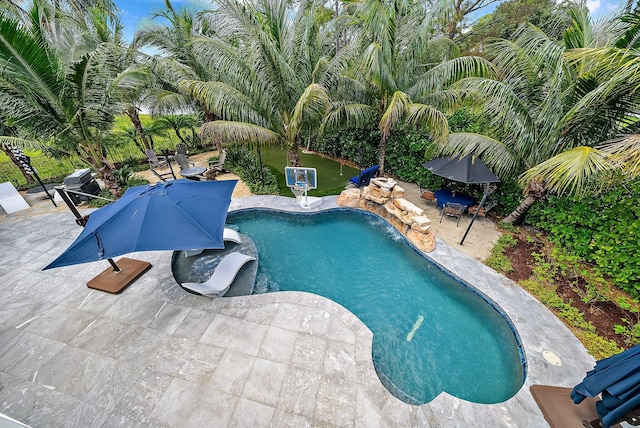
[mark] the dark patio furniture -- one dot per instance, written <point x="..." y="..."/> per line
<point x="452" y="209"/>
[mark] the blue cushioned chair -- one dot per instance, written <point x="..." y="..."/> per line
<point x="365" y="176"/>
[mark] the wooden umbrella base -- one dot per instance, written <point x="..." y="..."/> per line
<point x="113" y="281"/>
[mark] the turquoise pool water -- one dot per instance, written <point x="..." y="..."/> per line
<point x="430" y="332"/>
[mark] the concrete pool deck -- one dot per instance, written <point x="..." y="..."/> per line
<point x="156" y="355"/>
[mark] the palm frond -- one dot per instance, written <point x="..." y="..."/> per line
<point x="574" y="172"/>
<point x="224" y="100"/>
<point x="223" y="131"/>
<point x="429" y="117"/>
<point x="444" y="75"/>
<point x="311" y="108"/>
<point x="348" y="115"/>
<point x="394" y="113"/>
<point x="624" y="152"/>
<point x="503" y="160"/>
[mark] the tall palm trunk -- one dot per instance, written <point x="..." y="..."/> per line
<point x="535" y="191"/>
<point x="132" y="113"/>
<point x="383" y="153"/>
<point x="110" y="180"/>
<point x="293" y="156"/>
<point x="517" y="215"/>
<point x="9" y="153"/>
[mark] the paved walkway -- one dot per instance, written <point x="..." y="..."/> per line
<point x="155" y="355"/>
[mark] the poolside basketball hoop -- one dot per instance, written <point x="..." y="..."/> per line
<point x="300" y="180"/>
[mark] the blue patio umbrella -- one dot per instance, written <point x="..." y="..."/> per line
<point x="174" y="215"/>
<point x="617" y="379"/>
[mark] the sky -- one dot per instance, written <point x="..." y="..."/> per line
<point x="132" y="12"/>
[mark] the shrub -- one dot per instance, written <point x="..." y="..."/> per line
<point x="602" y="230"/>
<point x="498" y="260"/>
<point x="242" y="162"/>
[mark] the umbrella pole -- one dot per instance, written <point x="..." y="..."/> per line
<point x="80" y="220"/>
<point x="113" y="265"/>
<point x="484" y="198"/>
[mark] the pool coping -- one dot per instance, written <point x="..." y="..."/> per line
<point x="536" y="327"/>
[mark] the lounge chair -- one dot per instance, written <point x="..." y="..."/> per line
<point x="229" y="235"/>
<point x="560" y="411"/>
<point x="189" y="169"/>
<point x="10" y="200"/>
<point x="224" y="274"/>
<point x="365" y="176"/>
<point x="155" y="161"/>
<point x="452" y="209"/>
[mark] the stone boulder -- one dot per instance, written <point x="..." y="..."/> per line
<point x="386" y="199"/>
<point x="349" y="198"/>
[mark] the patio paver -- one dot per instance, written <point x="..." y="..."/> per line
<point x="156" y="355"/>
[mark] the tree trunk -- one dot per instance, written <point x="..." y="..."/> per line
<point x="210" y="117"/>
<point x="179" y="135"/>
<point x="521" y="210"/>
<point x="293" y="156"/>
<point x="309" y="142"/>
<point x="27" y="176"/>
<point x="383" y="152"/>
<point x="132" y="112"/>
<point x="109" y="179"/>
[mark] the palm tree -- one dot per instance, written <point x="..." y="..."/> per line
<point x="617" y="67"/>
<point x="172" y="35"/>
<point x="546" y="120"/>
<point x="180" y="122"/>
<point x="274" y="69"/>
<point x="56" y="89"/>
<point x="398" y="53"/>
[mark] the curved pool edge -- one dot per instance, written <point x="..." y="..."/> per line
<point x="537" y="327"/>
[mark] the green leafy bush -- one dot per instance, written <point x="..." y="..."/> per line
<point x="602" y="230"/>
<point x="242" y="162"/>
<point x="498" y="260"/>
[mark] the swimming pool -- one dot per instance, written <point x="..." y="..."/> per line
<point x="430" y="332"/>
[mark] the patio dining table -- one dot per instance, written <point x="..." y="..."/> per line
<point x="445" y="195"/>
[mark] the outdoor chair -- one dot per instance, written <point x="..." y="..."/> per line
<point x="158" y="162"/>
<point x="428" y="196"/>
<point x="155" y="161"/>
<point x="10" y="200"/>
<point x="452" y="209"/>
<point x="218" y="166"/>
<point x="223" y="275"/>
<point x="365" y="176"/>
<point x="484" y="210"/>
<point x="189" y="169"/>
<point x="181" y="149"/>
<point x="229" y="235"/>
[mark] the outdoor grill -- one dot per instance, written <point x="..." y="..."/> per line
<point x="81" y="181"/>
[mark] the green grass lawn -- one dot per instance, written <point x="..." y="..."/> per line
<point x="330" y="182"/>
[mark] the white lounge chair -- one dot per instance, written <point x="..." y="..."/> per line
<point x="224" y="274"/>
<point x="228" y="235"/>
<point x="10" y="200"/>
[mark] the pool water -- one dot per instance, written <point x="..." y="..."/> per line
<point x="430" y="332"/>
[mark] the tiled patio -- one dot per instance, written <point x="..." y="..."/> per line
<point x="158" y="356"/>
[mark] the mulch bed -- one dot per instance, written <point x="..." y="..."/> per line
<point x="604" y="315"/>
